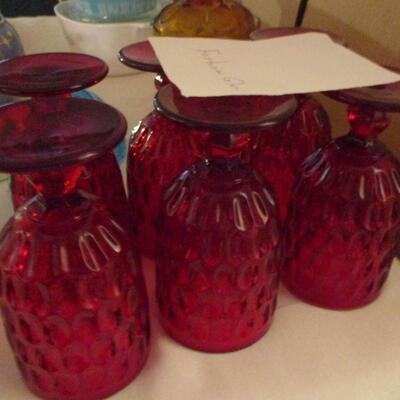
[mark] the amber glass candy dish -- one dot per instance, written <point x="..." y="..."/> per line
<point x="344" y="222"/>
<point x="278" y="157"/>
<point x="60" y="74"/>
<point x="219" y="235"/>
<point x="73" y="298"/>
<point x="159" y="150"/>
<point x="206" y="18"/>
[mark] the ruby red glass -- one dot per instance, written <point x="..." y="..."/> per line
<point x="218" y="251"/>
<point x="141" y="56"/>
<point x="59" y="74"/>
<point x="50" y="74"/>
<point x="278" y="156"/>
<point x="73" y="298"/>
<point x="344" y="221"/>
<point x="159" y="150"/>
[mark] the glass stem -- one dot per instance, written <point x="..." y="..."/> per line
<point x="56" y="185"/>
<point x="366" y="122"/>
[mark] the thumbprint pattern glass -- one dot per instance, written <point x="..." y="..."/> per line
<point x="159" y="150"/>
<point x="58" y="75"/>
<point x="72" y="294"/>
<point x="218" y="252"/>
<point x="279" y="156"/>
<point x="344" y="220"/>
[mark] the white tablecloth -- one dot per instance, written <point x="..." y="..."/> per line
<point x="309" y="353"/>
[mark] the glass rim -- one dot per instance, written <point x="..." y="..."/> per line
<point x="52" y="133"/>
<point x="380" y="97"/>
<point x="206" y="115"/>
<point x="130" y="56"/>
<point x="32" y="86"/>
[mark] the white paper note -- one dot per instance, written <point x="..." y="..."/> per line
<point x="305" y="63"/>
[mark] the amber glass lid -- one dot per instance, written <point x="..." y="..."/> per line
<point x="233" y="113"/>
<point x="56" y="132"/>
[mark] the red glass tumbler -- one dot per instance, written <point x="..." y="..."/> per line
<point x="219" y="234"/>
<point x="278" y="156"/>
<point x="73" y="297"/>
<point x="344" y="223"/>
<point x="60" y="74"/>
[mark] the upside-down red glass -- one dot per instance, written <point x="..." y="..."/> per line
<point x="73" y="297"/>
<point x="279" y="156"/>
<point x="60" y="74"/>
<point x="344" y="220"/>
<point x="218" y="252"/>
<point x="159" y="150"/>
<point x="158" y="153"/>
<point x="142" y="56"/>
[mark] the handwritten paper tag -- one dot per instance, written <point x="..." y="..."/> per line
<point x="305" y="63"/>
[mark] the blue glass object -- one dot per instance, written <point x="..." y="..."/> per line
<point x="86" y="94"/>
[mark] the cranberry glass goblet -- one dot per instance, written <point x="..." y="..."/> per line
<point x="73" y="298"/>
<point x="344" y="222"/>
<point x="159" y="150"/>
<point x="219" y="235"/>
<point x="59" y="74"/>
<point x="142" y="56"/>
<point x="279" y="156"/>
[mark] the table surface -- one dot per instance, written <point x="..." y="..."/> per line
<point x="309" y="353"/>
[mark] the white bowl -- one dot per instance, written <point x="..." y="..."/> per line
<point x="112" y="10"/>
<point x="103" y="40"/>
